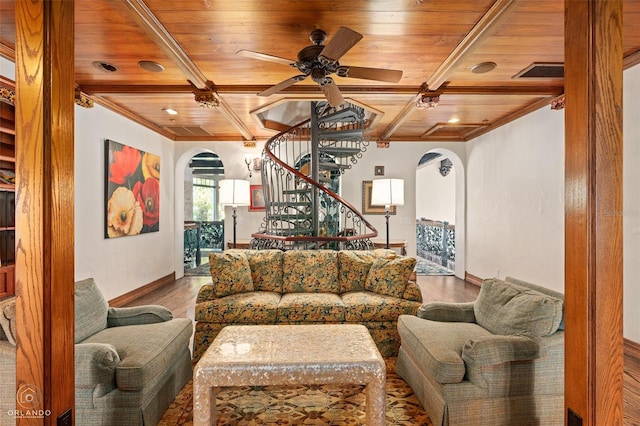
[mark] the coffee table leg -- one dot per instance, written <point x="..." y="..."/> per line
<point x="204" y="404"/>
<point x="376" y="403"/>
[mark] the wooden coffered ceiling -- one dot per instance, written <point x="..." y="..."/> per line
<point x="436" y="43"/>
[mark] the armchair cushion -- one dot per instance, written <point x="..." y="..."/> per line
<point x="8" y="320"/>
<point x="437" y="345"/>
<point x="90" y="309"/>
<point x="506" y="308"/>
<point x="137" y="315"/>
<point x="447" y="312"/>
<point x="144" y="350"/>
<point x="390" y="276"/>
<point x="230" y="273"/>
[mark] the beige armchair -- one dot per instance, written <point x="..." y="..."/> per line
<point x="130" y="363"/>
<point x="498" y="360"/>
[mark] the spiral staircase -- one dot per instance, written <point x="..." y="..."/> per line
<point x="301" y="177"/>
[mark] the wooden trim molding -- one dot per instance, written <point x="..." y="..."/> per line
<point x="632" y="350"/>
<point x="127" y="298"/>
<point x="472" y="279"/>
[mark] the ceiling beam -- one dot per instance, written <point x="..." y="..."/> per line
<point x="515" y="89"/>
<point x="480" y="31"/>
<point x="152" y="26"/>
<point x="485" y="26"/>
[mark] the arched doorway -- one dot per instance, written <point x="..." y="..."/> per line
<point x="451" y="194"/>
<point x="198" y="168"/>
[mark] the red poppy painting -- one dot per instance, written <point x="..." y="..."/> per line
<point x="132" y="191"/>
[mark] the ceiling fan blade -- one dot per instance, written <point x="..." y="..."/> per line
<point x="343" y="40"/>
<point x="379" y="74"/>
<point x="332" y="93"/>
<point x="282" y="85"/>
<point x="265" y="57"/>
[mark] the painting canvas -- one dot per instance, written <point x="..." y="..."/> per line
<point x="256" y="199"/>
<point x="367" y="208"/>
<point x="132" y="191"/>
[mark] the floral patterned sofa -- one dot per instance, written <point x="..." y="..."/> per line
<point x="307" y="286"/>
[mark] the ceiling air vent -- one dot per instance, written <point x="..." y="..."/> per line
<point x="538" y="70"/>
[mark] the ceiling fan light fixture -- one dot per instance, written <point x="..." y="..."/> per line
<point x="428" y="101"/>
<point x="483" y="67"/>
<point x="151" y="66"/>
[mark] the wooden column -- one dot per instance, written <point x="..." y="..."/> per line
<point x="593" y="212"/>
<point x="44" y="210"/>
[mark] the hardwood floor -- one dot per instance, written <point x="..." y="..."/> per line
<point x="180" y="297"/>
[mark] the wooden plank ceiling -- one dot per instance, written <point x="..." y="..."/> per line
<point x="435" y="43"/>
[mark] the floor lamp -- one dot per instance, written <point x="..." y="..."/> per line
<point x="234" y="193"/>
<point x="387" y="193"/>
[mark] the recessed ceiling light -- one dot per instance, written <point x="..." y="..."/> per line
<point x="104" y="66"/>
<point x="454" y="120"/>
<point x="150" y="66"/>
<point x="483" y="67"/>
<point x="170" y="111"/>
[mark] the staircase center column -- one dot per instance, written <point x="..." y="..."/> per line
<point x="315" y="173"/>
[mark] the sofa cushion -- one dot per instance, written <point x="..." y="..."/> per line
<point x="354" y="265"/>
<point x="230" y="273"/>
<point x="8" y="320"/>
<point x="505" y="308"/>
<point x="367" y="306"/>
<point x="310" y="307"/>
<point x="437" y="346"/>
<point x="390" y="276"/>
<point x="145" y="350"/>
<point x="310" y="271"/>
<point x="266" y="269"/>
<point x="91" y="309"/>
<point x="258" y="307"/>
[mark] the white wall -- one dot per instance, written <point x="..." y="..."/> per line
<point x="119" y="265"/>
<point x="515" y="199"/>
<point x="631" y="199"/>
<point x="435" y="194"/>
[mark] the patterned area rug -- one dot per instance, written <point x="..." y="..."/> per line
<point x="427" y="267"/>
<point x="297" y="405"/>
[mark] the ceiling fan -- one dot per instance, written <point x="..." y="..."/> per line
<point x="320" y="61"/>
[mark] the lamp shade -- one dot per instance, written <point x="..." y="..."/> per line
<point x="234" y="192"/>
<point x="387" y="192"/>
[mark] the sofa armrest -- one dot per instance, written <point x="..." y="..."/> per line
<point x="206" y="293"/>
<point x="95" y="366"/>
<point x="412" y="292"/>
<point x="447" y="312"/>
<point x="136" y="315"/>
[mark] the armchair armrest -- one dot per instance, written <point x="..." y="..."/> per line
<point x="136" y="315"/>
<point x="447" y="312"/>
<point x="95" y="365"/>
<point x="497" y="349"/>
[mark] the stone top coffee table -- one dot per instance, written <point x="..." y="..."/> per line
<point x="261" y="355"/>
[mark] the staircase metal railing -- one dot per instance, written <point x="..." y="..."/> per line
<point x="301" y="171"/>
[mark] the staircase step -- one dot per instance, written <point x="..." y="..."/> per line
<point x="341" y="135"/>
<point x="339" y="151"/>
<point x="333" y="166"/>
<point x="293" y="232"/>
<point x="297" y="191"/>
<point x="346" y="114"/>
<point x="289" y="203"/>
<point x="290" y="216"/>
